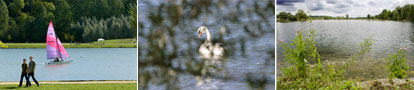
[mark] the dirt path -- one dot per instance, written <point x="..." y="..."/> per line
<point x="70" y="82"/>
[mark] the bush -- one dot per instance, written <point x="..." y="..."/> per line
<point x="302" y="50"/>
<point x="300" y="74"/>
<point x="2" y="45"/>
<point x="397" y="64"/>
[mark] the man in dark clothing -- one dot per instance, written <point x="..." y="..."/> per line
<point x="32" y="67"/>
<point x="56" y="59"/>
<point x="24" y="74"/>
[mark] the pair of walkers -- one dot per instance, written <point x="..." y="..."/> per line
<point x="28" y="72"/>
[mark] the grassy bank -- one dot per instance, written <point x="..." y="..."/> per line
<point x="304" y="68"/>
<point x="89" y="86"/>
<point x="115" y="43"/>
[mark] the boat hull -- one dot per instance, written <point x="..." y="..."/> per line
<point x="60" y="62"/>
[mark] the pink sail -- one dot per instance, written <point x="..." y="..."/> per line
<point x="53" y="45"/>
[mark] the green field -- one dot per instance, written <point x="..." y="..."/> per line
<point x="92" y="86"/>
<point x="115" y="43"/>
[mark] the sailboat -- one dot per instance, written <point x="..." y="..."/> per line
<point x="55" y="48"/>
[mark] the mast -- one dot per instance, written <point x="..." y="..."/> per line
<point x="57" y="43"/>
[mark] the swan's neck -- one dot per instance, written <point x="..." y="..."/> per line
<point x="208" y="35"/>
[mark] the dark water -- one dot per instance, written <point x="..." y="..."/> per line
<point x="341" y="38"/>
<point x="88" y="64"/>
<point x="168" y="45"/>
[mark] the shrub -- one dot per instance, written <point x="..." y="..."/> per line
<point x="2" y="45"/>
<point x="299" y="74"/>
<point x="300" y="51"/>
<point x="397" y="64"/>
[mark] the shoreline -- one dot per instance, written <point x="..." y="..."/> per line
<point x="288" y="21"/>
<point x="114" y="43"/>
<point x="68" y="45"/>
<point x="73" y="82"/>
<point x="74" y="85"/>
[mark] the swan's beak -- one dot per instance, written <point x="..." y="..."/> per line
<point x="199" y="34"/>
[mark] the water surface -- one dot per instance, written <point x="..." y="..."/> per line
<point x="87" y="64"/>
<point x="338" y="40"/>
<point x="342" y="37"/>
<point x="168" y="45"/>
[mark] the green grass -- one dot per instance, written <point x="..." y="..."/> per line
<point x="94" y="86"/>
<point x="115" y="43"/>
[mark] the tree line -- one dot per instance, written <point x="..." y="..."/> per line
<point x="404" y="13"/>
<point x="286" y="16"/>
<point x="73" y="20"/>
<point x="89" y="29"/>
<point x="302" y="16"/>
<point x="399" y="13"/>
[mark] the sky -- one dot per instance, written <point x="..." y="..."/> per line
<point x="354" y="8"/>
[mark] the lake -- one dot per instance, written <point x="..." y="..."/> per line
<point x="87" y="64"/>
<point x="168" y="45"/>
<point x="340" y="39"/>
<point x="255" y="60"/>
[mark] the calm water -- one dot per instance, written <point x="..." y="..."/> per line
<point x="249" y="40"/>
<point x="88" y="64"/>
<point x="256" y="60"/>
<point x="341" y="38"/>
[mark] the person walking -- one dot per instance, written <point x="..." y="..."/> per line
<point x="32" y="67"/>
<point x="24" y="74"/>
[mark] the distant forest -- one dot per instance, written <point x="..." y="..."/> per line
<point x="399" y="13"/>
<point x="73" y="20"/>
<point x="404" y="13"/>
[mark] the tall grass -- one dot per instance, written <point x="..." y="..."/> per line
<point x="397" y="64"/>
<point x="299" y="73"/>
<point x="300" y="51"/>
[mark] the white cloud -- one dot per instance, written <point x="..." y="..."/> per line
<point x="354" y="8"/>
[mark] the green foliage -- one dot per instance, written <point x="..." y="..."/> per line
<point x="91" y="29"/>
<point x="299" y="74"/>
<point x="15" y="7"/>
<point x="395" y="15"/>
<point x="347" y="16"/>
<point x="100" y="9"/>
<point x="336" y="17"/>
<point x="365" y="47"/>
<point x="349" y="85"/>
<point x="113" y="43"/>
<point x="304" y="49"/>
<point x="301" y="15"/>
<point x="4" y="18"/>
<point x="63" y="19"/>
<point x="397" y="64"/>
<point x="133" y="15"/>
<point x="27" y="20"/>
<point x="2" y="45"/>
<point x="24" y="27"/>
<point x="302" y="75"/>
<point x="399" y="13"/>
<point x="77" y="31"/>
<point x="284" y="16"/>
<point x="42" y="18"/>
<point x="329" y="76"/>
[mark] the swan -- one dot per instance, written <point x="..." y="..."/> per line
<point x="208" y="49"/>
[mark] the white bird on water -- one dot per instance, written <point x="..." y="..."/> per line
<point x="208" y="49"/>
